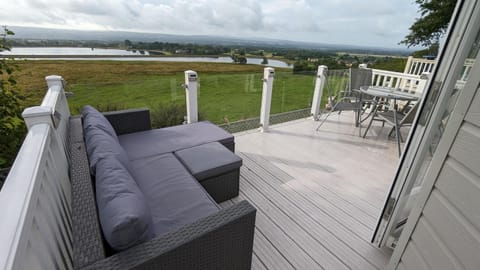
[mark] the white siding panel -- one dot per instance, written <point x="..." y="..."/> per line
<point x="466" y="148"/>
<point x="412" y="259"/>
<point x="401" y="266"/>
<point x="454" y="230"/>
<point x="455" y="179"/>
<point x="473" y="115"/>
<point x="447" y="234"/>
<point x="431" y="248"/>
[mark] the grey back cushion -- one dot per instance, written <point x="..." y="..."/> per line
<point x="101" y="145"/>
<point x="93" y="119"/>
<point x="100" y="139"/>
<point x="124" y="215"/>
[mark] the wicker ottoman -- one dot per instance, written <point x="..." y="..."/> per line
<point x="215" y="167"/>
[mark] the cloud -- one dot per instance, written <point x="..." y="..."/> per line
<point x="376" y="22"/>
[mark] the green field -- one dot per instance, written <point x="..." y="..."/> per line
<point x="227" y="92"/>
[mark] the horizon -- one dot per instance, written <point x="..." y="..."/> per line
<point x="152" y="37"/>
<point x="379" y="24"/>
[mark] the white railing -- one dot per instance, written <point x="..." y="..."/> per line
<point x="35" y="227"/>
<point x="418" y="66"/>
<point x="410" y="83"/>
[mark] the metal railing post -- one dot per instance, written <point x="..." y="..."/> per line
<point x="191" y="86"/>
<point x="318" y="92"/>
<point x="268" y="76"/>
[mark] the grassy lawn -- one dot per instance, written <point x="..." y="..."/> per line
<point x="227" y="91"/>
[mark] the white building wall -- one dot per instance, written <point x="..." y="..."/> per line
<point x="447" y="234"/>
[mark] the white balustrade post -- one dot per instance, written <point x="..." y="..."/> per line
<point x="318" y="92"/>
<point x="268" y="75"/>
<point x="38" y="114"/>
<point x="191" y="86"/>
<point x="408" y="64"/>
<point x="422" y="83"/>
<point x="53" y="80"/>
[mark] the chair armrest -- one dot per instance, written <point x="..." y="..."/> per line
<point x="223" y="240"/>
<point x="128" y="121"/>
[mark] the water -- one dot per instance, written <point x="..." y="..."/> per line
<point x="123" y="55"/>
<point x="68" y="51"/>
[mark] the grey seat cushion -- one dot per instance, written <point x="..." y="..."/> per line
<point x="175" y="198"/>
<point x="166" y="140"/>
<point x="208" y="160"/>
<point x="124" y="214"/>
<point x="93" y="119"/>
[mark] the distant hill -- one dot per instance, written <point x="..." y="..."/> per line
<point x="106" y="36"/>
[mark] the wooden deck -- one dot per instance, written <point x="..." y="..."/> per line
<point x="318" y="193"/>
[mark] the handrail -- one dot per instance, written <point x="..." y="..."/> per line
<point x="406" y="82"/>
<point x="35" y="228"/>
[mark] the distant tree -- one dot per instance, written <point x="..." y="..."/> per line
<point x="433" y="23"/>
<point x="127" y="43"/>
<point x="12" y="127"/>
<point x="264" y="61"/>
<point x="238" y="59"/>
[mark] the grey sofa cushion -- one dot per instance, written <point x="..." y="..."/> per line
<point x="208" y="160"/>
<point x="101" y="145"/>
<point x="124" y="215"/>
<point x="166" y="140"/>
<point x="175" y="198"/>
<point x="93" y="119"/>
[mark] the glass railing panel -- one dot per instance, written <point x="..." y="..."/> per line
<point x="292" y="91"/>
<point x="163" y="95"/>
<point x="226" y="98"/>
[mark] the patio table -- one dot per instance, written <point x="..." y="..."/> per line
<point x="395" y="94"/>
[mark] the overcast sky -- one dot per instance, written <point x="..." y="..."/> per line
<point x="381" y="23"/>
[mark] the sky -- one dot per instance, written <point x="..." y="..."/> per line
<point x="379" y="23"/>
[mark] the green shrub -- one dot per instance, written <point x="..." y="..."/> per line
<point x="12" y="127"/>
<point x="166" y="115"/>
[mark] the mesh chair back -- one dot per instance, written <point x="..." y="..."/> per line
<point x="360" y="77"/>
<point x="410" y="115"/>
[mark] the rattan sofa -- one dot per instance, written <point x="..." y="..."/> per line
<point x="223" y="240"/>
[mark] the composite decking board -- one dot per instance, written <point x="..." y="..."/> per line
<point x="342" y="203"/>
<point x="322" y="205"/>
<point x="269" y="254"/>
<point x="297" y="257"/>
<point x="226" y="203"/>
<point x="295" y="233"/>
<point x="326" y="207"/>
<point x="334" y="201"/>
<point x="294" y="176"/>
<point x="268" y="165"/>
<point x="342" y="241"/>
<point x="351" y="205"/>
<point x="309" y="224"/>
<point x="328" y="163"/>
<point x="257" y="263"/>
<point x="360" y="170"/>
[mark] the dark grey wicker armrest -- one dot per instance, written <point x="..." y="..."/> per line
<point x="220" y="241"/>
<point x="128" y="121"/>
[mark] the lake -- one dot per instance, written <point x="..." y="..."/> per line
<point x="74" y="53"/>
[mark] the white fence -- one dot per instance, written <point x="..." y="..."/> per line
<point x="35" y="228"/>
<point x="410" y="83"/>
<point x="417" y="66"/>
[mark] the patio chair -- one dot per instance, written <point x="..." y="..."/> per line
<point x="349" y="100"/>
<point x="404" y="118"/>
